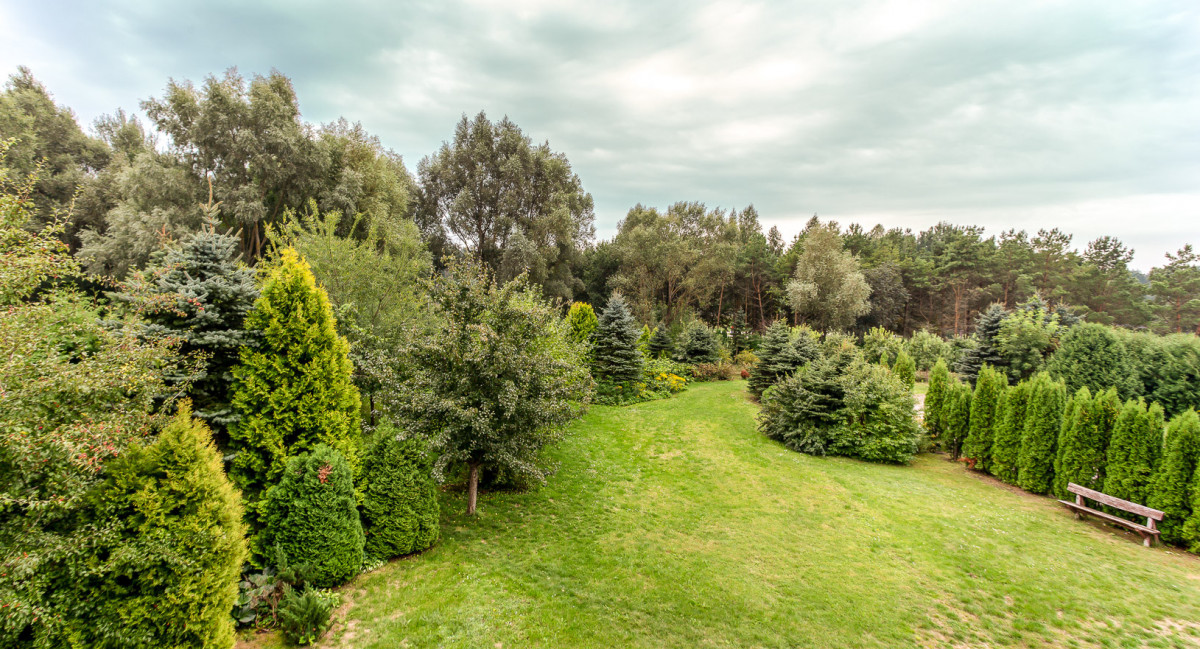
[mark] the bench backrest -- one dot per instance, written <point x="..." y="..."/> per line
<point x="1123" y="505"/>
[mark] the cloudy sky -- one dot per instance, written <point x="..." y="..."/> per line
<point x="1082" y="114"/>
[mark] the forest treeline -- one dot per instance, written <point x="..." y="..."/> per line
<point x="493" y="193"/>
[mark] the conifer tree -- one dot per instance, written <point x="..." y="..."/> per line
<point x="1134" y="451"/>
<point x="312" y="517"/>
<point x="293" y="391"/>
<point x="986" y="350"/>
<point x="1083" y="442"/>
<point x="935" y="397"/>
<point x="201" y="295"/>
<point x="399" y="497"/>
<point x="1092" y="355"/>
<point x="1043" y="421"/>
<point x="616" y="358"/>
<point x="956" y="418"/>
<point x="661" y="345"/>
<point x="582" y="318"/>
<point x="698" y="346"/>
<point x="985" y="404"/>
<point x="779" y="356"/>
<point x="905" y="369"/>
<point x="1006" y="441"/>
<point x="737" y="333"/>
<point x="1174" y="483"/>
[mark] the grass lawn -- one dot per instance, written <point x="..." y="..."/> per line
<point x="921" y="387"/>
<point x="675" y="524"/>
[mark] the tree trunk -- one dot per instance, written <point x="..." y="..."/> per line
<point x="472" y="488"/>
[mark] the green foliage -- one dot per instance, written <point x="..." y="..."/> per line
<point x="986" y="350"/>
<point x="311" y="515"/>
<point x="661" y="345"/>
<point x="926" y="348"/>
<point x="1134" y="451"/>
<point x="399" y="498"/>
<point x="935" y="397"/>
<point x="779" y="355"/>
<point x="1010" y="428"/>
<point x="1026" y="337"/>
<point x="1167" y="368"/>
<point x="305" y="616"/>
<point x="166" y="549"/>
<point x="293" y="390"/>
<point x="827" y="288"/>
<point x="955" y="418"/>
<point x="1176" y="285"/>
<point x="616" y="358"/>
<point x="582" y="319"/>
<point x="1082" y="448"/>
<point x="1172" y="492"/>
<point x="905" y="369"/>
<point x="1093" y="356"/>
<point x="984" y="417"/>
<point x="879" y="343"/>
<point x="1043" y="422"/>
<point x="698" y="345"/>
<point x="500" y="379"/>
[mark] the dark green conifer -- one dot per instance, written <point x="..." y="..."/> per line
<point x="698" y="345"/>
<point x="956" y="418"/>
<point x="1134" y="451"/>
<point x="1043" y="422"/>
<point x="661" y="345"/>
<point x="399" y="498"/>
<point x="1173" y="489"/>
<point x="935" y="397"/>
<point x="1092" y="355"/>
<point x="1083" y="441"/>
<point x="1006" y="442"/>
<point x="985" y="351"/>
<point x="616" y="358"/>
<point x="985" y="404"/>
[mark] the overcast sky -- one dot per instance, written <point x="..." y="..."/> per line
<point x="1081" y="114"/>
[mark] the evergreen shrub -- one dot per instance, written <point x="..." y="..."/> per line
<point x="400" y="512"/>
<point x="935" y="397"/>
<point x="1010" y="427"/>
<point x="1134" y="452"/>
<point x="985" y="411"/>
<point x="905" y="369"/>
<point x="1043" y="422"/>
<point x="1174" y="484"/>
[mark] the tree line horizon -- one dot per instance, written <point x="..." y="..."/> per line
<point x="492" y="193"/>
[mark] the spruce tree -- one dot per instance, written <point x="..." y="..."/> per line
<point x="905" y="369"/>
<point x="698" y="346"/>
<point x="201" y="295"/>
<point x="780" y="356"/>
<point x="1134" y="451"/>
<point x="1043" y="421"/>
<point x="986" y="350"/>
<point x="1175" y="480"/>
<point x="985" y="411"/>
<point x="399" y="498"/>
<point x="1083" y="442"/>
<point x="312" y="517"/>
<point x="737" y="333"/>
<point x="935" y="397"/>
<point x="616" y="359"/>
<point x="1006" y="441"/>
<point x="293" y="391"/>
<point x="956" y="418"/>
<point x="661" y="345"/>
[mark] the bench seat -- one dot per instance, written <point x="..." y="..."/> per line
<point x="1148" y="531"/>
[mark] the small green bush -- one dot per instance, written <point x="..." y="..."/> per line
<point x="880" y="344"/>
<point x="1174" y="483"/>
<point x="985" y="405"/>
<point x="313" y="518"/>
<point x="399" y="498"/>
<point x="1043" y="422"/>
<point x="307" y="615"/>
<point x="1010" y="426"/>
<point x="1134" y="451"/>
<point x="926" y="349"/>
<point x="905" y="369"/>
<point x="661" y="345"/>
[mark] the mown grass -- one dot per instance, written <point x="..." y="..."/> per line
<point x="675" y="524"/>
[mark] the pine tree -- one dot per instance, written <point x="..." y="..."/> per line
<point x="935" y="397"/>
<point x="1043" y="421"/>
<point x="698" y="346"/>
<point x="616" y="358"/>
<point x="399" y="497"/>
<point x="164" y="562"/>
<point x="1006" y="441"/>
<point x="986" y="350"/>
<point x="1134" y="451"/>
<point x="661" y="345"/>
<point x="201" y="295"/>
<point x="312" y="517"/>
<point x="1083" y="442"/>
<point x="956" y="418"/>
<point x="985" y="412"/>
<point x="1174" y="483"/>
<point x="905" y="369"/>
<point x="292" y="391"/>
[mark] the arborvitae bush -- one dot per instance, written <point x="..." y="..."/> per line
<point x="399" y="498"/>
<point x="698" y="345"/>
<point x="985" y="410"/>
<point x="311" y="515"/>
<point x="1010" y="427"/>
<point x="616" y="359"/>
<point x="1134" y="451"/>
<point x="1174" y="483"/>
<point x="986" y="350"/>
<point x="661" y="345"/>
<point x="1043" y="422"/>
<point x="1083" y="441"/>
<point x="167" y="550"/>
<point x="935" y="397"/>
<point x="1093" y="356"/>
<point x="293" y="391"/>
<point x="905" y="369"/>
<point x="956" y="418"/>
<point x="582" y="318"/>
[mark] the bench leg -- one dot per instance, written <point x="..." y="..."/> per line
<point x="1148" y="540"/>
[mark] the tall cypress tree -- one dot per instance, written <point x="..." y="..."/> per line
<point x="1010" y="425"/>
<point x="935" y="397"/>
<point x="985" y="351"/>
<point x="201" y="295"/>
<point x="985" y="405"/>
<point x="293" y="391"/>
<point x="616" y="358"/>
<point x="1134" y="451"/>
<point x="1174" y="483"/>
<point x="1083" y="442"/>
<point x="956" y="418"/>
<point x="1043" y="421"/>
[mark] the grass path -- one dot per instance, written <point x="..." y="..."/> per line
<point x="675" y="524"/>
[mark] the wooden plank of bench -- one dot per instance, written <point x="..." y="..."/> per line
<point x="1149" y="533"/>
<point x="1106" y="499"/>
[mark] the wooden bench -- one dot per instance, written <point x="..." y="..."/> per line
<point x="1149" y="531"/>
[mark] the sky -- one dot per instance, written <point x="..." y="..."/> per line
<point x="1077" y="114"/>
